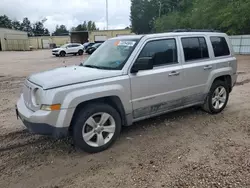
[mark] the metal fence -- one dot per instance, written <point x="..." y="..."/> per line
<point x="17" y="44"/>
<point x="241" y="44"/>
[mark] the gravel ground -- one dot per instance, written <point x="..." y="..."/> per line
<point x="188" y="148"/>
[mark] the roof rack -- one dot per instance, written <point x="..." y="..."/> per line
<point x="195" y="30"/>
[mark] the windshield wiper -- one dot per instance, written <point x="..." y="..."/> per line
<point x="98" y="67"/>
<point x="92" y="66"/>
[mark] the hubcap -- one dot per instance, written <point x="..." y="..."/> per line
<point x="99" y="129"/>
<point x="219" y="97"/>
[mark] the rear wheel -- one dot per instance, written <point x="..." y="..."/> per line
<point x="96" y="128"/>
<point x="62" y="53"/>
<point x="80" y="52"/>
<point x="217" y="98"/>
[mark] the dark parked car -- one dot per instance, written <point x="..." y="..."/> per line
<point x="91" y="49"/>
<point x="87" y="45"/>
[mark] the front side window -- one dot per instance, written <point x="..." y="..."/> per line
<point x="163" y="52"/>
<point x="112" y="54"/>
<point x="195" y="48"/>
<point x="220" y="46"/>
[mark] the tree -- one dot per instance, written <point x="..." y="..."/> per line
<point x="39" y="30"/>
<point x="26" y="26"/>
<point x="5" y="22"/>
<point x="230" y="16"/>
<point x="86" y="26"/>
<point x="143" y="15"/>
<point x="60" y="30"/>
<point x="16" y="25"/>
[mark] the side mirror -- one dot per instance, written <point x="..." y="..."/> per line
<point x="145" y="63"/>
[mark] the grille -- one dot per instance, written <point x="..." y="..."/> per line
<point x="27" y="95"/>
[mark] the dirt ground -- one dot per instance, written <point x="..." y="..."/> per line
<point x="188" y="148"/>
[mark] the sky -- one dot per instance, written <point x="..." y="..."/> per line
<point x="69" y="12"/>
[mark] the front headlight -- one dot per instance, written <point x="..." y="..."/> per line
<point x="36" y="96"/>
<point x="52" y="107"/>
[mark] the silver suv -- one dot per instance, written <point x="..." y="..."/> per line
<point x="129" y="79"/>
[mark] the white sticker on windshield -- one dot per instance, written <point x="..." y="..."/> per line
<point x="126" y="43"/>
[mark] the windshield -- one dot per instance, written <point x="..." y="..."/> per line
<point x="96" y="45"/>
<point x="112" y="54"/>
<point x="64" y="46"/>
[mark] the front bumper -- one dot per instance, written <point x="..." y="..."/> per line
<point x="40" y="122"/>
<point x="55" y="53"/>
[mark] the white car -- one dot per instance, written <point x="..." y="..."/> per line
<point x="71" y="48"/>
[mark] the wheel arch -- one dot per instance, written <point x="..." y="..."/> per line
<point x="113" y="101"/>
<point x="227" y="79"/>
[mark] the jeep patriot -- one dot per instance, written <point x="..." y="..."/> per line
<point x="128" y="79"/>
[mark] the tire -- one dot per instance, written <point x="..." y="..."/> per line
<point x="62" y="53"/>
<point x="80" y="52"/>
<point x="57" y="55"/>
<point x="96" y="139"/>
<point x="211" y="103"/>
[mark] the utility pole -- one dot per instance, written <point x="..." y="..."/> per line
<point x="107" y="15"/>
<point x="160" y="9"/>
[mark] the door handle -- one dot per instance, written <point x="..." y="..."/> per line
<point x="174" y="73"/>
<point x="208" y="67"/>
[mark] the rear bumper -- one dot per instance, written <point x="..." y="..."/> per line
<point x="234" y="79"/>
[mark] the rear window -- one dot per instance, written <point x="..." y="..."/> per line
<point x="220" y="46"/>
<point x="195" y="48"/>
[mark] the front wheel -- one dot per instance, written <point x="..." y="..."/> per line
<point x="80" y="52"/>
<point x="62" y="53"/>
<point x="217" y="98"/>
<point x="96" y="128"/>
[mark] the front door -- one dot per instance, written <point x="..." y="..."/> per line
<point x="158" y="90"/>
<point x="70" y="49"/>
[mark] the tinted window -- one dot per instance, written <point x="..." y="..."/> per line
<point x="162" y="51"/>
<point x="220" y="46"/>
<point x="195" y="48"/>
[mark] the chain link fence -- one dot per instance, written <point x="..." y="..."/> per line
<point x="241" y="44"/>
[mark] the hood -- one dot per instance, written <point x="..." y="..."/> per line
<point x="56" y="49"/>
<point x="70" y="75"/>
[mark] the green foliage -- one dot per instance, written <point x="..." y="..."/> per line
<point x="16" y="25"/>
<point x="230" y="16"/>
<point x="5" y="22"/>
<point x="143" y="14"/>
<point x="26" y="26"/>
<point x="60" y="31"/>
<point x="86" y="26"/>
<point x="39" y="30"/>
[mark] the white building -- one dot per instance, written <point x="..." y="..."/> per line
<point x="12" y="40"/>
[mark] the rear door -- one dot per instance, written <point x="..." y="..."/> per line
<point x="197" y="67"/>
<point x="158" y="90"/>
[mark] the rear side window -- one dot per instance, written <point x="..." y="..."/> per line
<point x="195" y="48"/>
<point x="220" y="46"/>
<point x="163" y="52"/>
